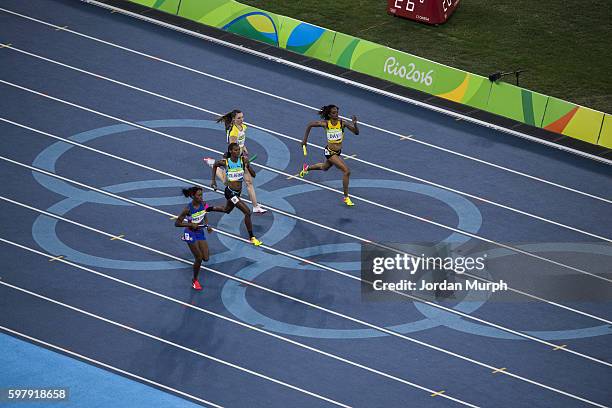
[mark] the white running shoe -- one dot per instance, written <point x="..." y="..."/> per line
<point x="209" y="160"/>
<point x="259" y="210"/>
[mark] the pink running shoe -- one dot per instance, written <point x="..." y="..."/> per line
<point x="196" y="285"/>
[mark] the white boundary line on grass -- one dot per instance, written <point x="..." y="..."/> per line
<point x="107" y="366"/>
<point x="237" y="322"/>
<point x="378" y="166"/>
<point x="170" y="343"/>
<point x="300" y="259"/>
<point x="374" y="203"/>
<point x="320" y="307"/>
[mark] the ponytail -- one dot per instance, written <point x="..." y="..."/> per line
<point x="324" y="112"/>
<point x="228" y="118"/>
<point x="190" y="192"/>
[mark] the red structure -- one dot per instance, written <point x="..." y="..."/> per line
<point x="424" y="11"/>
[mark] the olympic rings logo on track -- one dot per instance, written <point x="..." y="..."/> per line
<point x="234" y="295"/>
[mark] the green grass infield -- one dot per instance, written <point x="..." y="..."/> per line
<point x="564" y="45"/>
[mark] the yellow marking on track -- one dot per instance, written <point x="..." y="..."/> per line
<point x="499" y="370"/>
<point x="61" y="28"/>
<point x="56" y="258"/>
<point x="405" y="137"/>
<point x="117" y="237"/>
<point x="435" y="394"/>
<point x="560" y="347"/>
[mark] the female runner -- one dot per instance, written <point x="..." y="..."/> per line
<point x="235" y="130"/>
<point x="193" y="218"/>
<point x="334" y="132"/>
<point x="236" y="167"/>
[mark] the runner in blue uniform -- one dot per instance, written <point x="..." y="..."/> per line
<point x="194" y="219"/>
<point x="235" y="166"/>
<point x="235" y="130"/>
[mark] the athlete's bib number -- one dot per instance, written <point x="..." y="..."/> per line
<point x="334" y="135"/>
<point x="241" y="139"/>
<point x="235" y="175"/>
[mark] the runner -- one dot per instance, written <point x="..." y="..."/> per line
<point x="235" y="131"/>
<point x="334" y="131"/>
<point x="194" y="219"/>
<point x="236" y="167"/>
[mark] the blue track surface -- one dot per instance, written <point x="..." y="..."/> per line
<point x="177" y="343"/>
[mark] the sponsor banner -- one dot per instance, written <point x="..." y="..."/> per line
<point x="517" y="103"/>
<point x="605" y="137"/>
<point x="410" y="71"/>
<point x="463" y="87"/>
<point x="215" y="13"/>
<point x="253" y="23"/>
<point x="304" y="38"/>
<point x="572" y="120"/>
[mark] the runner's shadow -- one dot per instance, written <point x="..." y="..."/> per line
<point x="344" y="221"/>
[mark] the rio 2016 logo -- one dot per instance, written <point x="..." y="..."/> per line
<point x="410" y="72"/>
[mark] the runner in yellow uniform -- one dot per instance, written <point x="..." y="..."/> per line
<point x="334" y="132"/>
<point x="235" y="131"/>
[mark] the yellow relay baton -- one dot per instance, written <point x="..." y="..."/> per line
<point x="304" y="149"/>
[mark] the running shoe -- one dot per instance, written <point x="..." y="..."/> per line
<point x="255" y="241"/>
<point x="304" y="170"/>
<point x="209" y="160"/>
<point x="196" y="285"/>
<point x="258" y="209"/>
<point x="348" y="201"/>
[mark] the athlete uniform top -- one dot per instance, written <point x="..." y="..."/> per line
<point x="334" y="134"/>
<point x="234" y="171"/>
<point x="196" y="215"/>
<point x="240" y="135"/>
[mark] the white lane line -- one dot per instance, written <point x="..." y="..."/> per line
<point x="319" y="307"/>
<point x="245" y="325"/>
<point x="304" y="260"/>
<point x="193" y="182"/>
<point x="346" y="156"/>
<point x="267" y="57"/>
<point x="170" y="343"/>
<point x="374" y="203"/>
<point x="109" y="367"/>
<point x="290" y="215"/>
<point x="339" y="78"/>
<point x="402" y="137"/>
